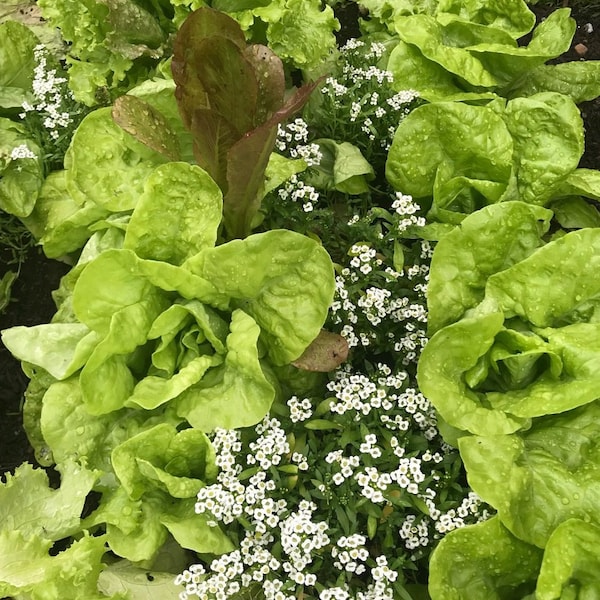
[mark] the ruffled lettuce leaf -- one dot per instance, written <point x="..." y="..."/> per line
<point x="28" y="570"/>
<point x="483" y="55"/>
<point x="465" y="165"/>
<point x="577" y="79"/>
<point x="280" y="278"/>
<point x="547" y="133"/>
<point x="300" y="31"/>
<point x="512" y="16"/>
<point x="161" y="457"/>
<point x="236" y="394"/>
<point x="106" y="38"/>
<point x="528" y="349"/>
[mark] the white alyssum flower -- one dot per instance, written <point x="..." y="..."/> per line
<point x="22" y="151"/>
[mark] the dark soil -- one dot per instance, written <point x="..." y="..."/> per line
<point x="32" y="302"/>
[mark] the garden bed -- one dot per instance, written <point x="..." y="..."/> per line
<point x="375" y="439"/>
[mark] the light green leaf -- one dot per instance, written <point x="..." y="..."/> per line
<point x="27" y="570"/>
<point x="490" y="240"/>
<point x="29" y="505"/>
<point x="449" y="48"/>
<point x="414" y="71"/>
<point x="342" y="167"/>
<point x="547" y="132"/>
<point x="61" y="225"/>
<point x="280" y="169"/>
<point x="282" y="279"/>
<point x="465" y="140"/>
<point x="580" y="80"/>
<point x="302" y="32"/>
<point x="137" y="583"/>
<point x="449" y="355"/>
<point x="512" y="16"/>
<point x="177" y="216"/>
<point x="59" y="348"/>
<point x="163" y="458"/>
<point x="152" y="391"/>
<point x="110" y="284"/>
<point x="106" y="165"/>
<point x="237" y="394"/>
<point x="580" y="182"/>
<point x="143" y="537"/>
<point x="70" y="431"/>
<point x="16" y="55"/>
<point x="483" y="561"/>
<point x="575" y="213"/>
<point x="571" y="565"/>
<point x="556" y="285"/>
<point x="539" y="478"/>
<point x="192" y="531"/>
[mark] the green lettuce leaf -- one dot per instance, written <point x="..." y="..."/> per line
<point x="463" y="140"/>
<point x="27" y="570"/>
<point x="554" y="286"/>
<point x="236" y="394"/>
<point x="165" y="223"/>
<point x="161" y="457"/>
<point x="137" y="583"/>
<point x="574" y="212"/>
<point x="490" y="240"/>
<point x="301" y="31"/>
<point x="577" y="79"/>
<point x="282" y="279"/>
<point x="527" y="349"/>
<point x="483" y="561"/>
<point x="342" y="167"/>
<point x="16" y="57"/>
<point x="106" y="165"/>
<point x="547" y="132"/>
<point x="106" y="38"/>
<point x="29" y="505"/>
<point x="539" y="478"/>
<point x="60" y="224"/>
<point x="571" y="565"/>
<point x="482" y="54"/>
<point x="511" y="16"/>
<point x="59" y="348"/>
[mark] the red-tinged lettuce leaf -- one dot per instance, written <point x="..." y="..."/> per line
<point x="237" y="5"/>
<point x="201" y="24"/>
<point x="229" y="80"/>
<point x="325" y="353"/>
<point x="147" y="125"/>
<point x="213" y="136"/>
<point x="270" y="78"/>
<point x="247" y="162"/>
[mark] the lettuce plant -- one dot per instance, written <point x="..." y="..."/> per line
<point x="512" y="370"/>
<point x="159" y="337"/>
<point x="215" y="70"/>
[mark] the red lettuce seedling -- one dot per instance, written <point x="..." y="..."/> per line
<point x="231" y="97"/>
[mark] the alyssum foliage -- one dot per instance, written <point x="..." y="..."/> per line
<point x="163" y="386"/>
